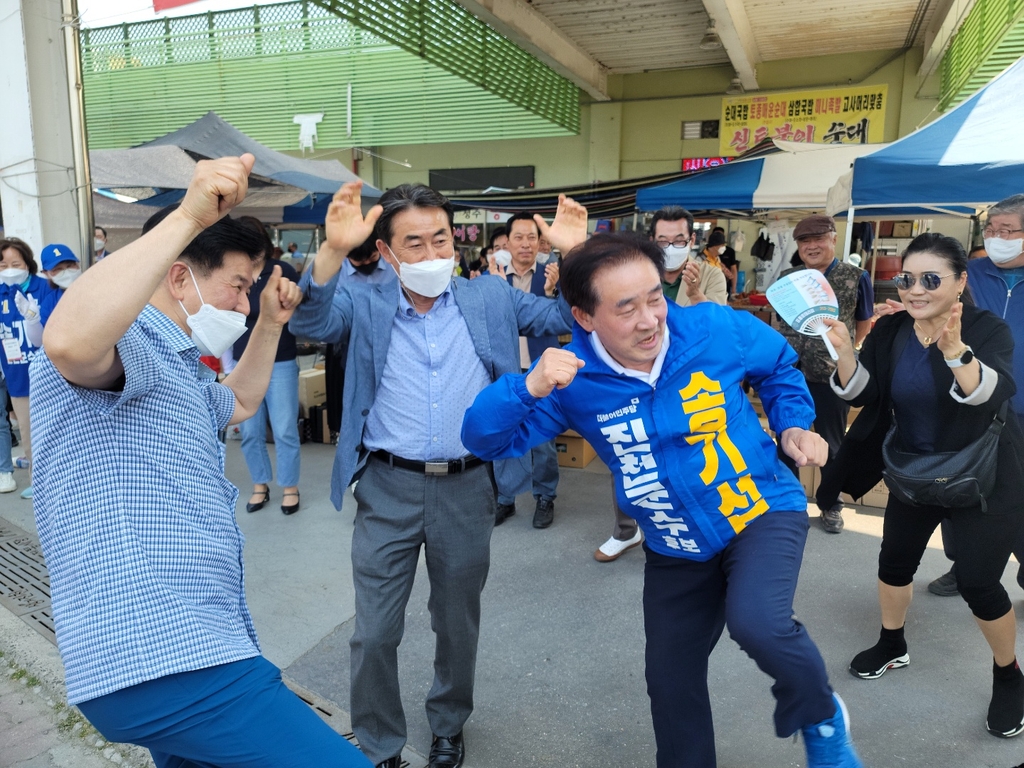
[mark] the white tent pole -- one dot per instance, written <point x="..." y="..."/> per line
<point x="874" y="250"/>
<point x="849" y="234"/>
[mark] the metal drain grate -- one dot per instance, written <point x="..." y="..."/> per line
<point x="330" y="713"/>
<point x="24" y="581"/>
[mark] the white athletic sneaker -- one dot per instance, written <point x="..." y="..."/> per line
<point x="613" y="548"/>
<point x="7" y="484"/>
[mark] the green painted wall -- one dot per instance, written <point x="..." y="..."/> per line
<point x="651" y="109"/>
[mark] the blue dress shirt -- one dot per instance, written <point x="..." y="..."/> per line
<point x="136" y="518"/>
<point x="431" y="376"/>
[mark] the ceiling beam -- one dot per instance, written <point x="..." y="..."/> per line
<point x="535" y="34"/>
<point x="733" y="26"/>
<point x="947" y="20"/>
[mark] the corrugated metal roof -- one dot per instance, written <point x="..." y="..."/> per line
<point x="635" y="35"/>
<point x="788" y="29"/>
<point x="638" y="35"/>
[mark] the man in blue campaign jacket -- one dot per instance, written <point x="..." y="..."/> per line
<point x="656" y="389"/>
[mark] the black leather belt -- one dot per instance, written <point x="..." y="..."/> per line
<point x="429" y="467"/>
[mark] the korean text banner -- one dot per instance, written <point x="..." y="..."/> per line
<point x="835" y="116"/>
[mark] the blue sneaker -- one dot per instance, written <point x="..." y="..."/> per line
<point x="27" y="493"/>
<point x="828" y="742"/>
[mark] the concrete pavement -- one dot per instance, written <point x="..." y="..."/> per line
<point x="560" y="679"/>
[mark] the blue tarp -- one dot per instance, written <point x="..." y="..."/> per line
<point x="729" y="186"/>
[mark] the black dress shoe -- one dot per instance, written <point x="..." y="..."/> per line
<point x="290" y="509"/>
<point x="544" y="514"/>
<point x="447" y="752"/>
<point x="391" y="762"/>
<point x="505" y="511"/>
<point x="259" y="504"/>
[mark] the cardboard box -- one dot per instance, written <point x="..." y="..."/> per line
<point x="756" y="402"/>
<point x="573" y="450"/>
<point x="312" y="389"/>
<point x="809" y="479"/>
<point x="876" y="497"/>
<point x="902" y="229"/>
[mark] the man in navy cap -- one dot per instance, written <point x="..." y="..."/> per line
<point x="816" y="246"/>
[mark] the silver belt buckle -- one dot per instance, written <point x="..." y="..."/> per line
<point x="436" y="468"/>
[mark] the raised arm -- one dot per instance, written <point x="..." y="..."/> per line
<point x="251" y="376"/>
<point x="517" y="411"/>
<point x="346" y="229"/>
<point x="82" y="333"/>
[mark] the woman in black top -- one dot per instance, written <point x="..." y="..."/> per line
<point x="942" y="370"/>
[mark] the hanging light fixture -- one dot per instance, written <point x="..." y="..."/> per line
<point x="735" y="87"/>
<point x="711" y="41"/>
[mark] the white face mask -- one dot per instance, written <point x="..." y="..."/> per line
<point x="999" y="250"/>
<point x="99" y="244"/>
<point x="13" y="276"/>
<point x="66" y="278"/>
<point x="721" y="250"/>
<point x="675" y="256"/>
<point x="503" y="258"/>
<point x="426" y="278"/>
<point x="213" y="330"/>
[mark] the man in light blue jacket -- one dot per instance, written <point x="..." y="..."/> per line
<point x="656" y="389"/>
<point x="420" y="349"/>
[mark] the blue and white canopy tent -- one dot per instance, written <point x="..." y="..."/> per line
<point x="957" y="165"/>
<point x="796" y="177"/>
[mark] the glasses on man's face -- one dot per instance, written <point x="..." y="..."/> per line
<point x="1002" y="234"/>
<point x="929" y="280"/>
<point x="679" y="242"/>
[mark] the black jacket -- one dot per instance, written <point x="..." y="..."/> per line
<point x="992" y="343"/>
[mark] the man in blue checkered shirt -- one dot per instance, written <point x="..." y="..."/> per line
<point x="133" y="510"/>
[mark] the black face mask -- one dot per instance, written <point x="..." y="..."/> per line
<point x="367" y="268"/>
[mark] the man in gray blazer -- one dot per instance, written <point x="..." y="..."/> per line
<point x="419" y="351"/>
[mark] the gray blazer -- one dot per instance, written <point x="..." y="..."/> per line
<point x="362" y="315"/>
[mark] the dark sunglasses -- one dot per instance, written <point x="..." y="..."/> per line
<point x="904" y="281"/>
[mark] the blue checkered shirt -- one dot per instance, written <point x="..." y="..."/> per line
<point x="136" y="518"/>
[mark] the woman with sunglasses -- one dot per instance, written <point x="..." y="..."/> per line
<point x="942" y="370"/>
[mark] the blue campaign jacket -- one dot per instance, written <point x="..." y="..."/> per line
<point x="537" y="344"/>
<point x="12" y="326"/>
<point x="690" y="460"/>
<point x="990" y="291"/>
<point x="362" y="316"/>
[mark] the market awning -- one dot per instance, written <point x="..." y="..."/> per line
<point x="797" y="177"/>
<point x="965" y="160"/>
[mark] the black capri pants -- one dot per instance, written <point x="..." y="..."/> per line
<point x="983" y="541"/>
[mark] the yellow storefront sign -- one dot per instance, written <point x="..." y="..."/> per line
<point x="835" y="116"/>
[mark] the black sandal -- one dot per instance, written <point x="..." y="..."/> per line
<point x="291" y="509"/>
<point x="259" y="504"/>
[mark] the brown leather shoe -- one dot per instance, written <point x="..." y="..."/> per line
<point x="613" y="549"/>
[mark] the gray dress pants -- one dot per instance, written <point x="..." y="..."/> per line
<point x="452" y="517"/>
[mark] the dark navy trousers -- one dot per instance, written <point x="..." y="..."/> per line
<point x="237" y="715"/>
<point x="749" y="587"/>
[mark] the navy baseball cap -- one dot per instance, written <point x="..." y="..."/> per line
<point x="54" y="254"/>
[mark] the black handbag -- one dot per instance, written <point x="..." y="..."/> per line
<point x="958" y="479"/>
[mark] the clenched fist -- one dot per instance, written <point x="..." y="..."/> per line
<point x="555" y="369"/>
